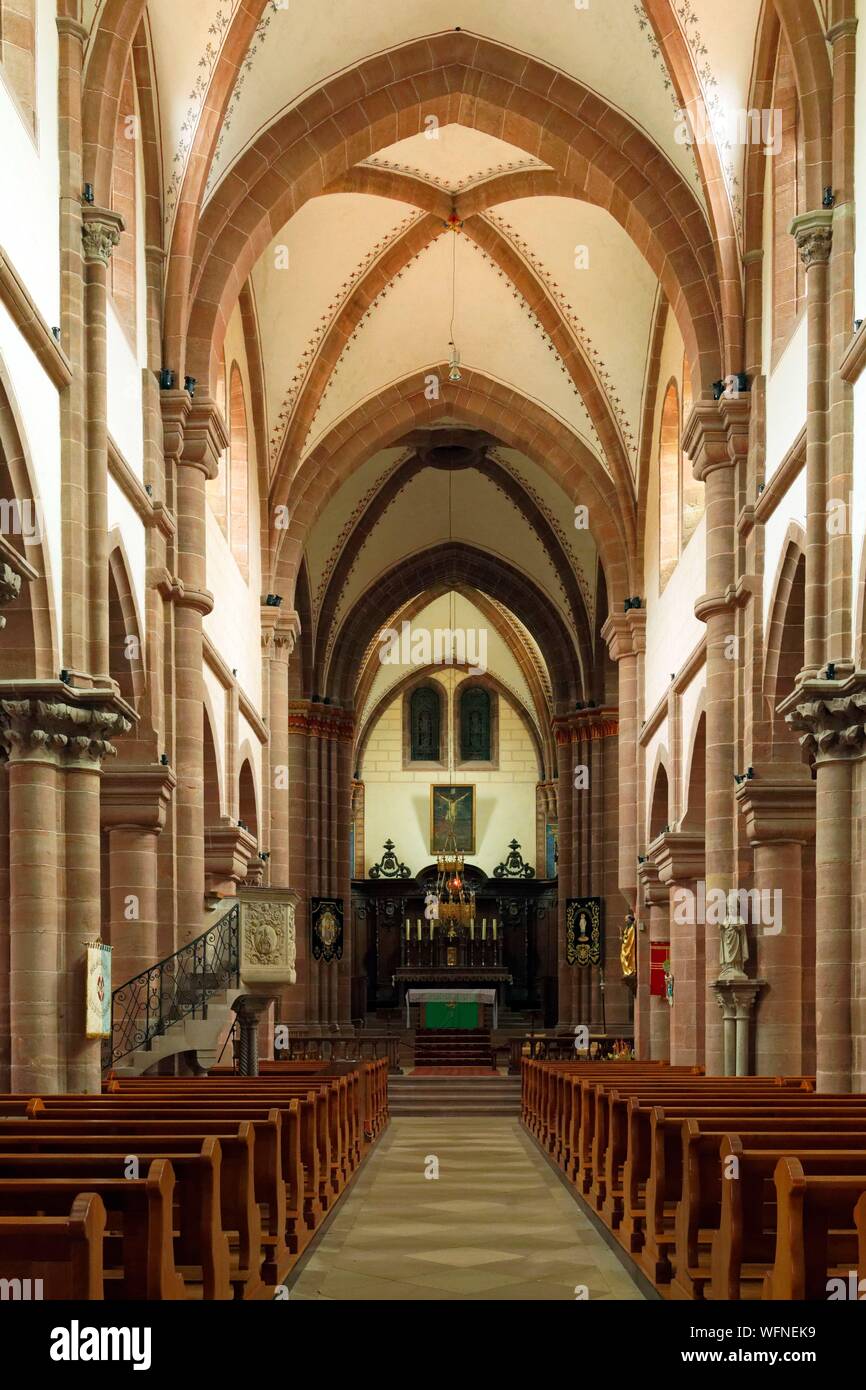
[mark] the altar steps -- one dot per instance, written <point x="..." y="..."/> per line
<point x="454" y="1095"/>
<point x="453" y="1047"/>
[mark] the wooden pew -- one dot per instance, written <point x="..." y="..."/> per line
<point x="138" y="1210"/>
<point x="699" y="1194"/>
<point x="240" y="1214"/>
<point x="743" y="1246"/>
<point x="201" y="1245"/>
<point x="65" y="1252"/>
<point x="815" y="1232"/>
<point x="267" y="1123"/>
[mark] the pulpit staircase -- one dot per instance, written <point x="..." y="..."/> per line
<point x="183" y="1004"/>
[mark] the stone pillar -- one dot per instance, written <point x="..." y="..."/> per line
<point x="625" y="636"/>
<point x="715" y="439"/>
<point x="831" y="716"/>
<point x="279" y="632"/>
<point x="736" y="1000"/>
<point x="780" y="823"/>
<point x="202" y="439"/>
<point x="72" y="40"/>
<point x="656" y="902"/>
<point x="565" y="803"/>
<point x="133" y="807"/>
<point x="100" y="233"/>
<point x="249" y="1009"/>
<point x="680" y="860"/>
<point x="813" y="232"/>
<point x="840" y="420"/>
<point x="55" y="749"/>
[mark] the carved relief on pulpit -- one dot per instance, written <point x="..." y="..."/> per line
<point x="268" y="944"/>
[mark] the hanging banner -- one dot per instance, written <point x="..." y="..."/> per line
<point x="584" y="936"/>
<point x="326" y="928"/>
<point x="97" y="1023"/>
<point x="659" y="953"/>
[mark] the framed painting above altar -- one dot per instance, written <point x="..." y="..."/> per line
<point x="452" y="813"/>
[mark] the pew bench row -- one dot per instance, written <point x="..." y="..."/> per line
<point x="719" y="1188"/>
<point x="200" y="1187"/>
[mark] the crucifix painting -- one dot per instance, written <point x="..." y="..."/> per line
<point x="452" y="819"/>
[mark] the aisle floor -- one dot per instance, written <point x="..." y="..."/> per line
<point x="497" y="1223"/>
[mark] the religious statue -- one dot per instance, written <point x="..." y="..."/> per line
<point x="733" y="943"/>
<point x="431" y="907"/>
<point x="627" y="955"/>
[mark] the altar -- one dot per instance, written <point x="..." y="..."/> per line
<point x="453" y="1000"/>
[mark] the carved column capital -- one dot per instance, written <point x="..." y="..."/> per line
<point x="829" y="715"/>
<point x="813" y="233"/>
<point x="53" y="730"/>
<point x="100" y="233"/>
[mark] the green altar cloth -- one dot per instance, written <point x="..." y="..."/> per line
<point x="457" y="1013"/>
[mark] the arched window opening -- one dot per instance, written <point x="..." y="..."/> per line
<point x="239" y="482"/>
<point x="659" y="808"/>
<point x="247" y="807"/>
<point x="475" y="726"/>
<point x="425" y="725"/>
<point x="692" y="492"/>
<point x="218" y="487"/>
<point x="789" y="188"/>
<point x="669" y="480"/>
<point x="122" y="263"/>
<point x="18" y="54"/>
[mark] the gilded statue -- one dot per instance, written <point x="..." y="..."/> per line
<point x="627" y="946"/>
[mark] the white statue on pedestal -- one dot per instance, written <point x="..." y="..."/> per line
<point x="733" y="942"/>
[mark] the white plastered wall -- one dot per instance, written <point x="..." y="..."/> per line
<point x="672" y="630"/>
<point x="397" y="802"/>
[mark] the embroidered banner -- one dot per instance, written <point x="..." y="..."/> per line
<point x="326" y="927"/>
<point x="584" y="934"/>
<point x="97" y="1023"/>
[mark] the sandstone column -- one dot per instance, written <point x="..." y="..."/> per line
<point x="565" y="804"/>
<point x="134" y="802"/>
<point x="54" y="750"/>
<point x="814" y="234"/>
<point x="656" y="899"/>
<point x="198" y="428"/>
<point x="100" y="233"/>
<point x="715" y="438"/>
<point x="279" y="632"/>
<point x="832" y="718"/>
<point x="680" y="859"/>
<point x="780" y="822"/>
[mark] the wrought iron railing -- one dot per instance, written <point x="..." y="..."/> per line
<point x="178" y="987"/>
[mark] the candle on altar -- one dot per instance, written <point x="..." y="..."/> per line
<point x="494" y="928"/>
<point x="419" y="928"/>
<point x="407" y="928"/>
<point x="483" y="928"/>
<point x="471" y="928"/>
<point x="431" y="928"/>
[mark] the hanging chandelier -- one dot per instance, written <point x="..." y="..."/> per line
<point x="454" y="225"/>
<point x="456" y="902"/>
